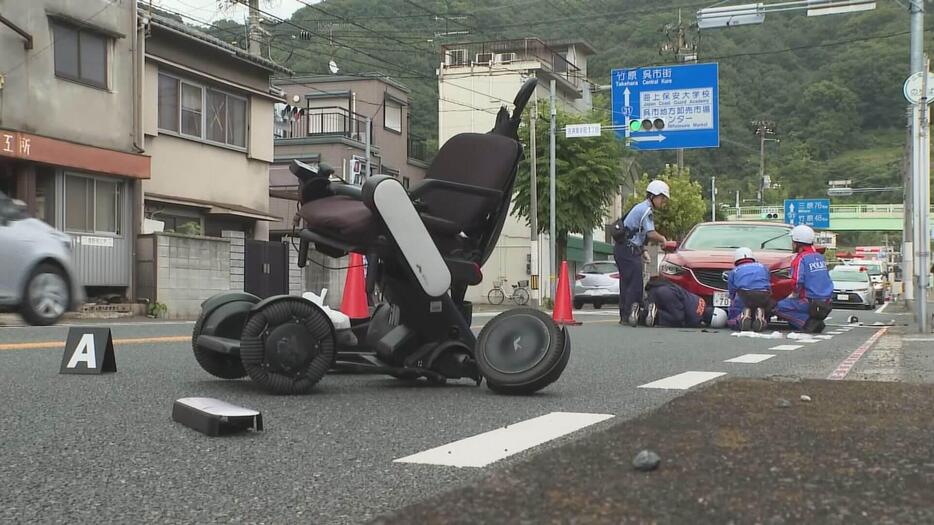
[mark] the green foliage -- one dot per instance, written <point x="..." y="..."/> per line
<point x="587" y="176"/>
<point x="189" y="228"/>
<point x="685" y="208"/>
<point x="832" y="84"/>
<point x="157" y="310"/>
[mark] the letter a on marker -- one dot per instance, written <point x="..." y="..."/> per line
<point x="84" y="353"/>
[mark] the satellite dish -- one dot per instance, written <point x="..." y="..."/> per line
<point x="332" y="65"/>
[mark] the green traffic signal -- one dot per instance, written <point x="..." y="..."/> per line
<point x="634" y="125"/>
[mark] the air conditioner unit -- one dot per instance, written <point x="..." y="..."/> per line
<point x="505" y="58"/>
<point x="456" y="57"/>
<point x="483" y="58"/>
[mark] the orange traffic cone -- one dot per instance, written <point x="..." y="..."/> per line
<point x="354" y="304"/>
<point x="563" y="314"/>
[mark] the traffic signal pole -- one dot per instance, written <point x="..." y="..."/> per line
<point x="919" y="169"/>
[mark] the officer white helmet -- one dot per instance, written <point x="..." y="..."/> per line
<point x="718" y="319"/>
<point x="658" y="187"/>
<point x="803" y="234"/>
<point x="743" y="253"/>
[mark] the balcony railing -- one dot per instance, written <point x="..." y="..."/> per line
<point x="324" y="122"/>
<point x="506" y="51"/>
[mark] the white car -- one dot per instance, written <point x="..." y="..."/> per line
<point x="38" y="279"/>
<point x="852" y="287"/>
<point x="596" y="283"/>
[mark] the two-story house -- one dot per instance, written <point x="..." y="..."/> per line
<point x="70" y="141"/>
<point x="207" y="121"/>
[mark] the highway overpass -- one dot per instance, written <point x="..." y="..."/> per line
<point x="843" y="217"/>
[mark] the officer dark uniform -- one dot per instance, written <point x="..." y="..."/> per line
<point x="667" y="304"/>
<point x="809" y="304"/>
<point x="750" y="290"/>
<point x="630" y="235"/>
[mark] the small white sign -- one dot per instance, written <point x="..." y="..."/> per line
<point x="575" y="131"/>
<point x="105" y="242"/>
<point x="912" y="88"/>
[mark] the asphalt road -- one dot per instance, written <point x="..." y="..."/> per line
<point x="99" y="449"/>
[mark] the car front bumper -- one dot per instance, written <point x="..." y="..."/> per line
<point x="853" y="297"/>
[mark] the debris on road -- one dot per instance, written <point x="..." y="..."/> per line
<point x="783" y="403"/>
<point x="646" y="461"/>
<point x="806" y="398"/>
<point x="757" y="335"/>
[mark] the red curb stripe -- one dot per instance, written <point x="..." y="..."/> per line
<point x="844" y="368"/>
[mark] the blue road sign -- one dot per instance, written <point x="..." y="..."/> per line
<point x="679" y="104"/>
<point x="813" y="212"/>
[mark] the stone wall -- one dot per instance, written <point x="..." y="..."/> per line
<point x="237" y="243"/>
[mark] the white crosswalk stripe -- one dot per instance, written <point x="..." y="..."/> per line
<point x="683" y="381"/>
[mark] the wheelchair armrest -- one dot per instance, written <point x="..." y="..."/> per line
<point x="348" y="190"/>
<point x="429" y="185"/>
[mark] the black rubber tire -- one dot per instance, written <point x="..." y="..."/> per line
<point x="26" y="311"/>
<point x="546" y="369"/>
<point x="272" y="315"/>
<point x="578" y="304"/>
<point x="520" y="296"/>
<point x="218" y="365"/>
<point x="597" y="305"/>
<point x="496" y="296"/>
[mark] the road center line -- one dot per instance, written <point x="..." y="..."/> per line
<point x="131" y="341"/>
<point x="786" y="347"/>
<point x="683" y="381"/>
<point x="750" y="358"/>
<point x="847" y="364"/>
<point x="881" y="308"/>
<point x="482" y="449"/>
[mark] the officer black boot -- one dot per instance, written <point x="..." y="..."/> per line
<point x="651" y="314"/>
<point x="813" y="326"/>
<point x="634" y="315"/>
<point x="760" y="322"/>
<point x="745" y="320"/>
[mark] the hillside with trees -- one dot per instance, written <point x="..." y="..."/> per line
<point x="831" y="85"/>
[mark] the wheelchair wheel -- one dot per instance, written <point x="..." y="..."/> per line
<point x="520" y="296"/>
<point x="287" y="345"/>
<point x="496" y="296"/>
<point x="224" y="316"/>
<point x="521" y="351"/>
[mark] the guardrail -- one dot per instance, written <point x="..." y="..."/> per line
<point x="839" y="210"/>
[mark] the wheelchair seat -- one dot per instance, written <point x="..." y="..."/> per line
<point x="475" y="171"/>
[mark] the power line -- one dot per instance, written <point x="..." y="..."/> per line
<point x="367" y="29"/>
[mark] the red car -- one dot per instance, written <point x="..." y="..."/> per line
<point x="701" y="262"/>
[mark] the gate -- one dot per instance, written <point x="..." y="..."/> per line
<point x="265" y="268"/>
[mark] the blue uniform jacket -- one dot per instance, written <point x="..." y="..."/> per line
<point x="684" y="301"/>
<point x="809" y="271"/>
<point x="750" y="276"/>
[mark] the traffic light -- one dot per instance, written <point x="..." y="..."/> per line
<point x="769" y="213"/>
<point x="646" y="125"/>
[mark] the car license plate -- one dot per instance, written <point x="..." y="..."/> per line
<point x="721" y="299"/>
<point x="843" y="297"/>
<point x="593" y="292"/>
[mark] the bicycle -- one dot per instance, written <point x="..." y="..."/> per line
<point x="520" y="293"/>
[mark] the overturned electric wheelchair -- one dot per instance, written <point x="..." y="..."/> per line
<point x="424" y="247"/>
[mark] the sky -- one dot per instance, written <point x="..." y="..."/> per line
<point x="210" y="10"/>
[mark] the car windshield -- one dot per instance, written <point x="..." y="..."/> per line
<point x="732" y="236"/>
<point x="849" y="275"/>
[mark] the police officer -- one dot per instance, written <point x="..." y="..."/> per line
<point x="807" y="307"/>
<point x="750" y="292"/>
<point x="631" y="233"/>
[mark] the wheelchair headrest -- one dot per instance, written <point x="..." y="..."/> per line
<point x="509" y="126"/>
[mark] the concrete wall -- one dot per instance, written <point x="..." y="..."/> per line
<point x="182" y="271"/>
<point x="237" y="257"/>
<point x="77" y="112"/>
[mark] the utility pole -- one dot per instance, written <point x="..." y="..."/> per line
<point x="369" y="141"/>
<point x="551" y="182"/>
<point x="253" y="29"/>
<point x="912" y="269"/>
<point x="685" y="52"/>
<point x="922" y="188"/>
<point x="713" y="199"/>
<point x="764" y="128"/>
<point x="533" y="216"/>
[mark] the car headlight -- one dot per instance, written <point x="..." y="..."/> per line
<point x="669" y="268"/>
<point x="782" y="273"/>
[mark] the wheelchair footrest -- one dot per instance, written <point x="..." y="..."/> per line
<point x="221" y="345"/>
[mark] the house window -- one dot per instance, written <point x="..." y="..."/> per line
<point x="392" y="115"/>
<point x="201" y="112"/>
<point x="93" y="205"/>
<point x="80" y="54"/>
<point x="405" y="182"/>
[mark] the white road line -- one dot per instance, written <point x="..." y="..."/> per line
<point x="827" y="336"/>
<point x="834" y="333"/>
<point x="785" y="347"/>
<point x="489" y="447"/>
<point x="683" y="381"/>
<point x="919" y="339"/>
<point x="881" y="308"/>
<point x="750" y="358"/>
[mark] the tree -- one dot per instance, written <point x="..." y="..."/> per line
<point x="685" y="208"/>
<point x="587" y="178"/>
